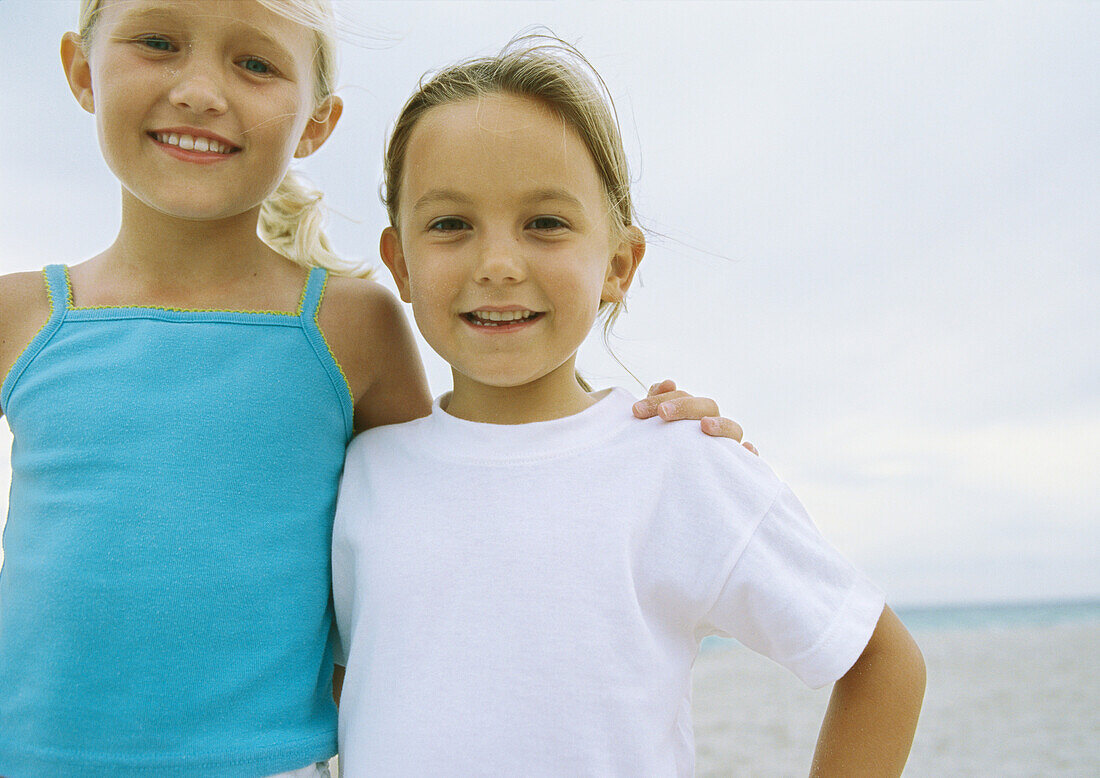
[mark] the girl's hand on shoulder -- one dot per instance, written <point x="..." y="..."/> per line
<point x="672" y="404"/>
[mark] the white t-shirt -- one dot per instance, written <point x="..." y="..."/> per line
<point x="529" y="599"/>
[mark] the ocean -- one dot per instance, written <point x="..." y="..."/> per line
<point x="1013" y="690"/>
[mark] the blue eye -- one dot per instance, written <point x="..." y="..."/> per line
<point x="256" y="65"/>
<point x="156" y="43"/>
<point x="448" y="224"/>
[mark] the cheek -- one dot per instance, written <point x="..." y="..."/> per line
<point x="275" y="115"/>
<point x="579" y="294"/>
<point x="433" y="290"/>
<point x="284" y="128"/>
<point x="589" y="282"/>
<point x="116" y="134"/>
<point x="109" y="108"/>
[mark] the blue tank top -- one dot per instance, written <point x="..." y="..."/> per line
<point x="165" y="602"/>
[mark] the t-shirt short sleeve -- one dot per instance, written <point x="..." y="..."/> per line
<point x="792" y="597"/>
<point x="349" y="497"/>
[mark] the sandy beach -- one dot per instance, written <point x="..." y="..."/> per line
<point x="1011" y="701"/>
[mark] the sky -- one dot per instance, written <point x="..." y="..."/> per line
<point x="873" y="240"/>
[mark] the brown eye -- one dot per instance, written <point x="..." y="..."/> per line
<point x="448" y="224"/>
<point x="545" y="223"/>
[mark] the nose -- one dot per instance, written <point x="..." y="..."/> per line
<point x="198" y="88"/>
<point x="500" y="261"/>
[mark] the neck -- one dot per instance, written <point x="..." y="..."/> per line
<point x="552" y="396"/>
<point x="158" y="246"/>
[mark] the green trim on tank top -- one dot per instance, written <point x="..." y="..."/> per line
<point x="280" y="318"/>
<point x="71" y="307"/>
<point x="321" y="332"/>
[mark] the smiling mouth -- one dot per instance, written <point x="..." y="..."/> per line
<point x="501" y="318"/>
<point x="193" y="143"/>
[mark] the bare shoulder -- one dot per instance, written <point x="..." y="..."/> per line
<point x="24" y="309"/>
<point x="370" y="337"/>
<point x="355" y="316"/>
<point x="349" y="302"/>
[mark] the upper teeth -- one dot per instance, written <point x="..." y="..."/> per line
<point x="191" y="143"/>
<point x="502" y="315"/>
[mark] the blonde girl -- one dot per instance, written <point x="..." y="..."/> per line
<point x="519" y="591"/>
<point x="180" y="405"/>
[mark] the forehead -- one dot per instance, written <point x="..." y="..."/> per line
<point x="509" y="140"/>
<point x="209" y="15"/>
<point x="500" y="118"/>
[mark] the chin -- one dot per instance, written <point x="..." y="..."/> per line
<point x="499" y="382"/>
<point x="191" y="211"/>
<point x="502" y="379"/>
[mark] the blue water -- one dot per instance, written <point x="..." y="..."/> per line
<point x="983" y="616"/>
<point x="1000" y="615"/>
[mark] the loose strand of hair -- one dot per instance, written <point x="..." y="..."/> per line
<point x="292" y="223"/>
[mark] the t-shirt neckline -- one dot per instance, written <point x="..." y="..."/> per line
<point x="485" y="442"/>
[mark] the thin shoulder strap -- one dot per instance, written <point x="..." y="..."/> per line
<point x="310" y="306"/>
<point x="57" y="283"/>
<point x="312" y="294"/>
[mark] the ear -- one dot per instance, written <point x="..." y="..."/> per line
<point x="624" y="262"/>
<point x="77" y="71"/>
<point x="389" y="246"/>
<point x="320" y="126"/>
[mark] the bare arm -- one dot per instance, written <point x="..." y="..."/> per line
<point x="24" y="309"/>
<point x="872" y="715"/>
<point x="370" y="336"/>
<point x="398" y="390"/>
<point x="337" y="683"/>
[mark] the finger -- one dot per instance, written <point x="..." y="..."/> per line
<point x="721" y="427"/>
<point x="687" y="408"/>
<point x="751" y="447"/>
<point x="647" y="407"/>
<point x="668" y="385"/>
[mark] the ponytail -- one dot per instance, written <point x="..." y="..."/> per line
<point x="291" y="222"/>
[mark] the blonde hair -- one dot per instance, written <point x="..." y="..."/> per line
<point x="545" y="69"/>
<point x="292" y="217"/>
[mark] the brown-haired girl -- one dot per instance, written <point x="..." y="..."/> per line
<point x="522" y="578"/>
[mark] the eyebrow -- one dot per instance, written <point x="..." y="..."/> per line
<point x="164" y="12"/>
<point x="279" y="51"/>
<point x="437" y="196"/>
<point x="562" y="195"/>
<point x="152" y="12"/>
